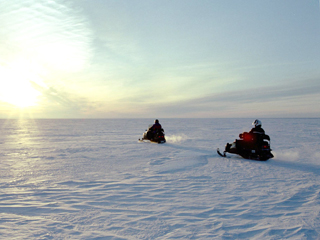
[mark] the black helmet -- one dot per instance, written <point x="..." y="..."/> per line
<point x="156" y="121"/>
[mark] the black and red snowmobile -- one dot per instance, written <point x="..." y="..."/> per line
<point x="252" y="146"/>
<point x="153" y="135"/>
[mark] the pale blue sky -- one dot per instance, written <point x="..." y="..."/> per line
<point x="171" y="58"/>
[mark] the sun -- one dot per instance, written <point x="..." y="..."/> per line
<point x="16" y="88"/>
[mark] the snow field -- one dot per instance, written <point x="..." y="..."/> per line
<point x="92" y="179"/>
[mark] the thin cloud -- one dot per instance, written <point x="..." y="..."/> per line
<point x="223" y="104"/>
<point x="63" y="98"/>
<point x="263" y="94"/>
<point x="52" y="33"/>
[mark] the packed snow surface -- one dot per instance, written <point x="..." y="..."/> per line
<point x="93" y="179"/>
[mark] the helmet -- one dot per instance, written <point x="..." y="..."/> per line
<point x="257" y="123"/>
<point x="156" y="121"/>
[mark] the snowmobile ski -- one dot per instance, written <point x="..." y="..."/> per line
<point x="149" y="141"/>
<point x="222" y="155"/>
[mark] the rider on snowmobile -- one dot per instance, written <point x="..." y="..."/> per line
<point x="257" y="127"/>
<point x="252" y="139"/>
<point x="156" y="126"/>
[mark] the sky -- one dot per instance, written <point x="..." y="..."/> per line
<point x="159" y="59"/>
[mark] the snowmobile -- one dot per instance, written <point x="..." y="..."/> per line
<point x="155" y="136"/>
<point x="250" y="146"/>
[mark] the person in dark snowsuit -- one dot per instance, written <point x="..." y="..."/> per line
<point x="257" y="127"/>
<point x="257" y="133"/>
<point x="252" y="140"/>
<point x="156" y="127"/>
